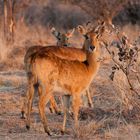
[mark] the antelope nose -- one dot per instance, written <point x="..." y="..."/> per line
<point x="91" y="48"/>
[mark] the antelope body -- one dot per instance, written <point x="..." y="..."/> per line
<point x="62" y="40"/>
<point x="66" y="77"/>
<point x="61" y="52"/>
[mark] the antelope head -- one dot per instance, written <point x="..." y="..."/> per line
<point x="62" y="38"/>
<point x="91" y="35"/>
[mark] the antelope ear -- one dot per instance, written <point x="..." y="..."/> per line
<point x="52" y="29"/>
<point x="81" y="29"/>
<point x="70" y="33"/>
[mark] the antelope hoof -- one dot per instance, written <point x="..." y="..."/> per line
<point x="58" y="112"/>
<point x="47" y="130"/>
<point x="62" y="132"/>
<point x="28" y="127"/>
<point x="90" y="105"/>
<point x="22" y="115"/>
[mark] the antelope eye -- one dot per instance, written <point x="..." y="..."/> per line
<point x="86" y="37"/>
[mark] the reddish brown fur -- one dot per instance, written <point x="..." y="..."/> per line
<point x="71" y="54"/>
<point x="61" y="52"/>
<point x="56" y="74"/>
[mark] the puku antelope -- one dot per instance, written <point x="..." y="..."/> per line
<point x="59" y="52"/>
<point x="69" y="54"/>
<point x="66" y="77"/>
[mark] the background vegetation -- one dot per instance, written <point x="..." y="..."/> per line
<point x="115" y="90"/>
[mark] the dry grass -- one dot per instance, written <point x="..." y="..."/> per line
<point x="104" y="121"/>
<point x="108" y="120"/>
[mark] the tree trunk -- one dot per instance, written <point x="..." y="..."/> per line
<point x="11" y="20"/>
<point x="5" y="21"/>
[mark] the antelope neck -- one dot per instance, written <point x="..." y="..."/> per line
<point x="92" y="60"/>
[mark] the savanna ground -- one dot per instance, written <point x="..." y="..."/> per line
<point x="106" y="121"/>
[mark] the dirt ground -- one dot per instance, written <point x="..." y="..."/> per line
<point x="107" y="120"/>
<point x="101" y="122"/>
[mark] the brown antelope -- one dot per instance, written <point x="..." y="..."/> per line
<point x="63" y="54"/>
<point x="59" y="52"/>
<point x="66" y="77"/>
